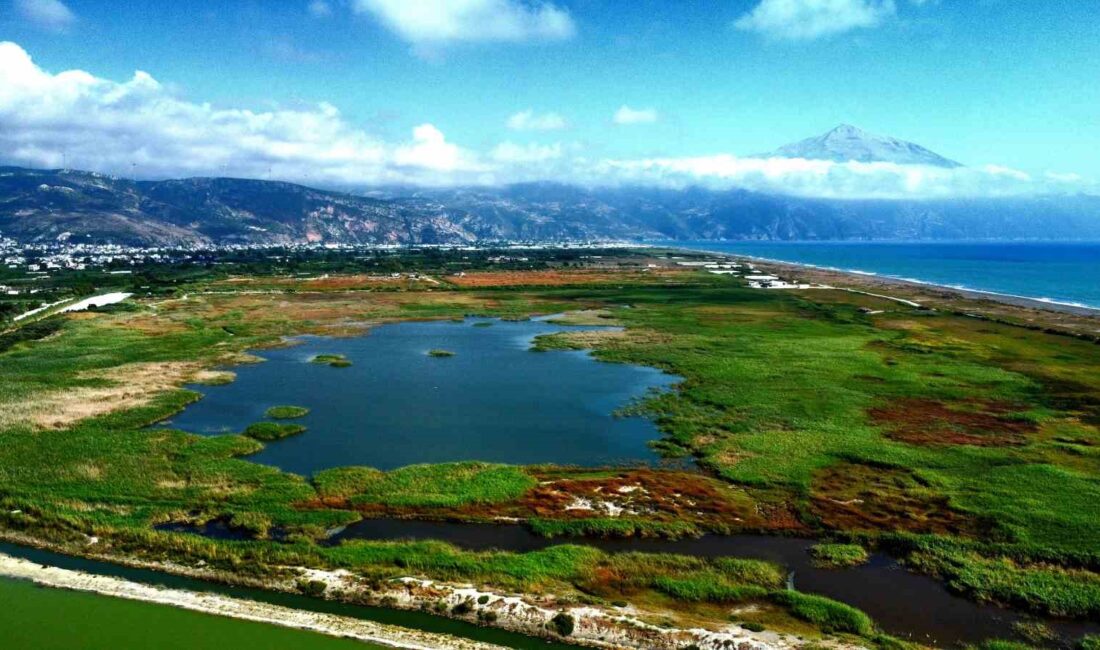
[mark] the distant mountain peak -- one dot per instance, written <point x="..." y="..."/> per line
<point x="846" y="143"/>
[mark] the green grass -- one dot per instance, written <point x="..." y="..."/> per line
<point x="286" y="412"/>
<point x="268" y="431"/>
<point x="434" y="486"/>
<point x="838" y="556"/>
<point x="776" y="389"/>
<point x="331" y="360"/>
<point x="825" y="613"/>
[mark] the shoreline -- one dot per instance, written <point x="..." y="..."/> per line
<point x="237" y="608"/>
<point x="1076" y="309"/>
<point x="526" y="614"/>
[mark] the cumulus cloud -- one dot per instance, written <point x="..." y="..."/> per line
<point x="137" y="125"/>
<point x="809" y="19"/>
<point x="628" y="115"/>
<point x="441" y="21"/>
<point x="430" y="150"/>
<point x="52" y="15"/>
<point x="529" y="120"/>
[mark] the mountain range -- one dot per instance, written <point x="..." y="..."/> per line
<point x="38" y="205"/>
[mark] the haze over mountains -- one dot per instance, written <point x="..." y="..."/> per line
<point x="68" y="205"/>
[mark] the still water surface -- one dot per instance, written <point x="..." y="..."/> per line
<point x="903" y="603"/>
<point x="495" y="400"/>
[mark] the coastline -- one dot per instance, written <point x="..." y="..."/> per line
<point x="1030" y="301"/>
<point x="1076" y="309"/>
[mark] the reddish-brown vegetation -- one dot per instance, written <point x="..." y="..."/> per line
<point x="930" y="422"/>
<point x="850" y="496"/>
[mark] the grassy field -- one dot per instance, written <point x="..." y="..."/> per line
<point x="966" y="446"/>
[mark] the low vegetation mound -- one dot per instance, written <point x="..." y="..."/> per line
<point x="331" y="360"/>
<point x="445" y="485"/>
<point x="838" y="556"/>
<point x="286" y="412"/>
<point x="268" y="431"/>
<point x="440" y="353"/>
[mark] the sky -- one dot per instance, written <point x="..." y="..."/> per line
<point x="368" y="92"/>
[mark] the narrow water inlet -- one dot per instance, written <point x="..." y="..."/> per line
<point x="905" y="604"/>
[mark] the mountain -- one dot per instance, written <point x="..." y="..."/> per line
<point x="846" y="143"/>
<point x="66" y="205"/>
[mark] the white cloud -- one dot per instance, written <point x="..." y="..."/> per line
<point x="627" y="115"/>
<point x="430" y="150"/>
<point x="823" y="178"/>
<point x="510" y="152"/>
<point x="319" y="9"/>
<point x="809" y="19"/>
<point x="87" y="122"/>
<point x="139" y="126"/>
<point x="528" y="120"/>
<point x="442" y="21"/>
<point x="52" y="15"/>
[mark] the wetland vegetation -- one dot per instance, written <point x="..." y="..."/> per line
<point x="286" y="412"/>
<point x="966" y="447"/>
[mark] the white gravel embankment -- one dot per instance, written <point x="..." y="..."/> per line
<point x="211" y="603"/>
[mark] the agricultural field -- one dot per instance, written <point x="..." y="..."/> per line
<point x="967" y="447"/>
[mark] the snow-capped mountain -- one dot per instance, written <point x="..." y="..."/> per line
<point x="846" y="143"/>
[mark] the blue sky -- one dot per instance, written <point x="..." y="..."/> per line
<point x="985" y="82"/>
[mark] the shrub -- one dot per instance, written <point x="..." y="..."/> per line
<point x="462" y="608"/>
<point x="312" y="587"/>
<point x="562" y="624"/>
<point x="440" y="353"/>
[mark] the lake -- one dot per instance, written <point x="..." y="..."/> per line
<point x="495" y="400"/>
<point x="1064" y="272"/>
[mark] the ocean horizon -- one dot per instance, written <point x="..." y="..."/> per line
<point x="1060" y="272"/>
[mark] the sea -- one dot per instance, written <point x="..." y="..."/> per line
<point x="1058" y="272"/>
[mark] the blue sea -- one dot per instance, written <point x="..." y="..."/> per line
<point x="1062" y="272"/>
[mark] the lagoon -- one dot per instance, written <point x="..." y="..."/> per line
<point x="494" y="399"/>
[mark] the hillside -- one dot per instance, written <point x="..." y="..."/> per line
<point x="53" y="205"/>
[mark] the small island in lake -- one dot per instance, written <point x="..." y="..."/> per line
<point x="331" y="360"/>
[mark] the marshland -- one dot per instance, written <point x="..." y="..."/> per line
<point x="659" y="406"/>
